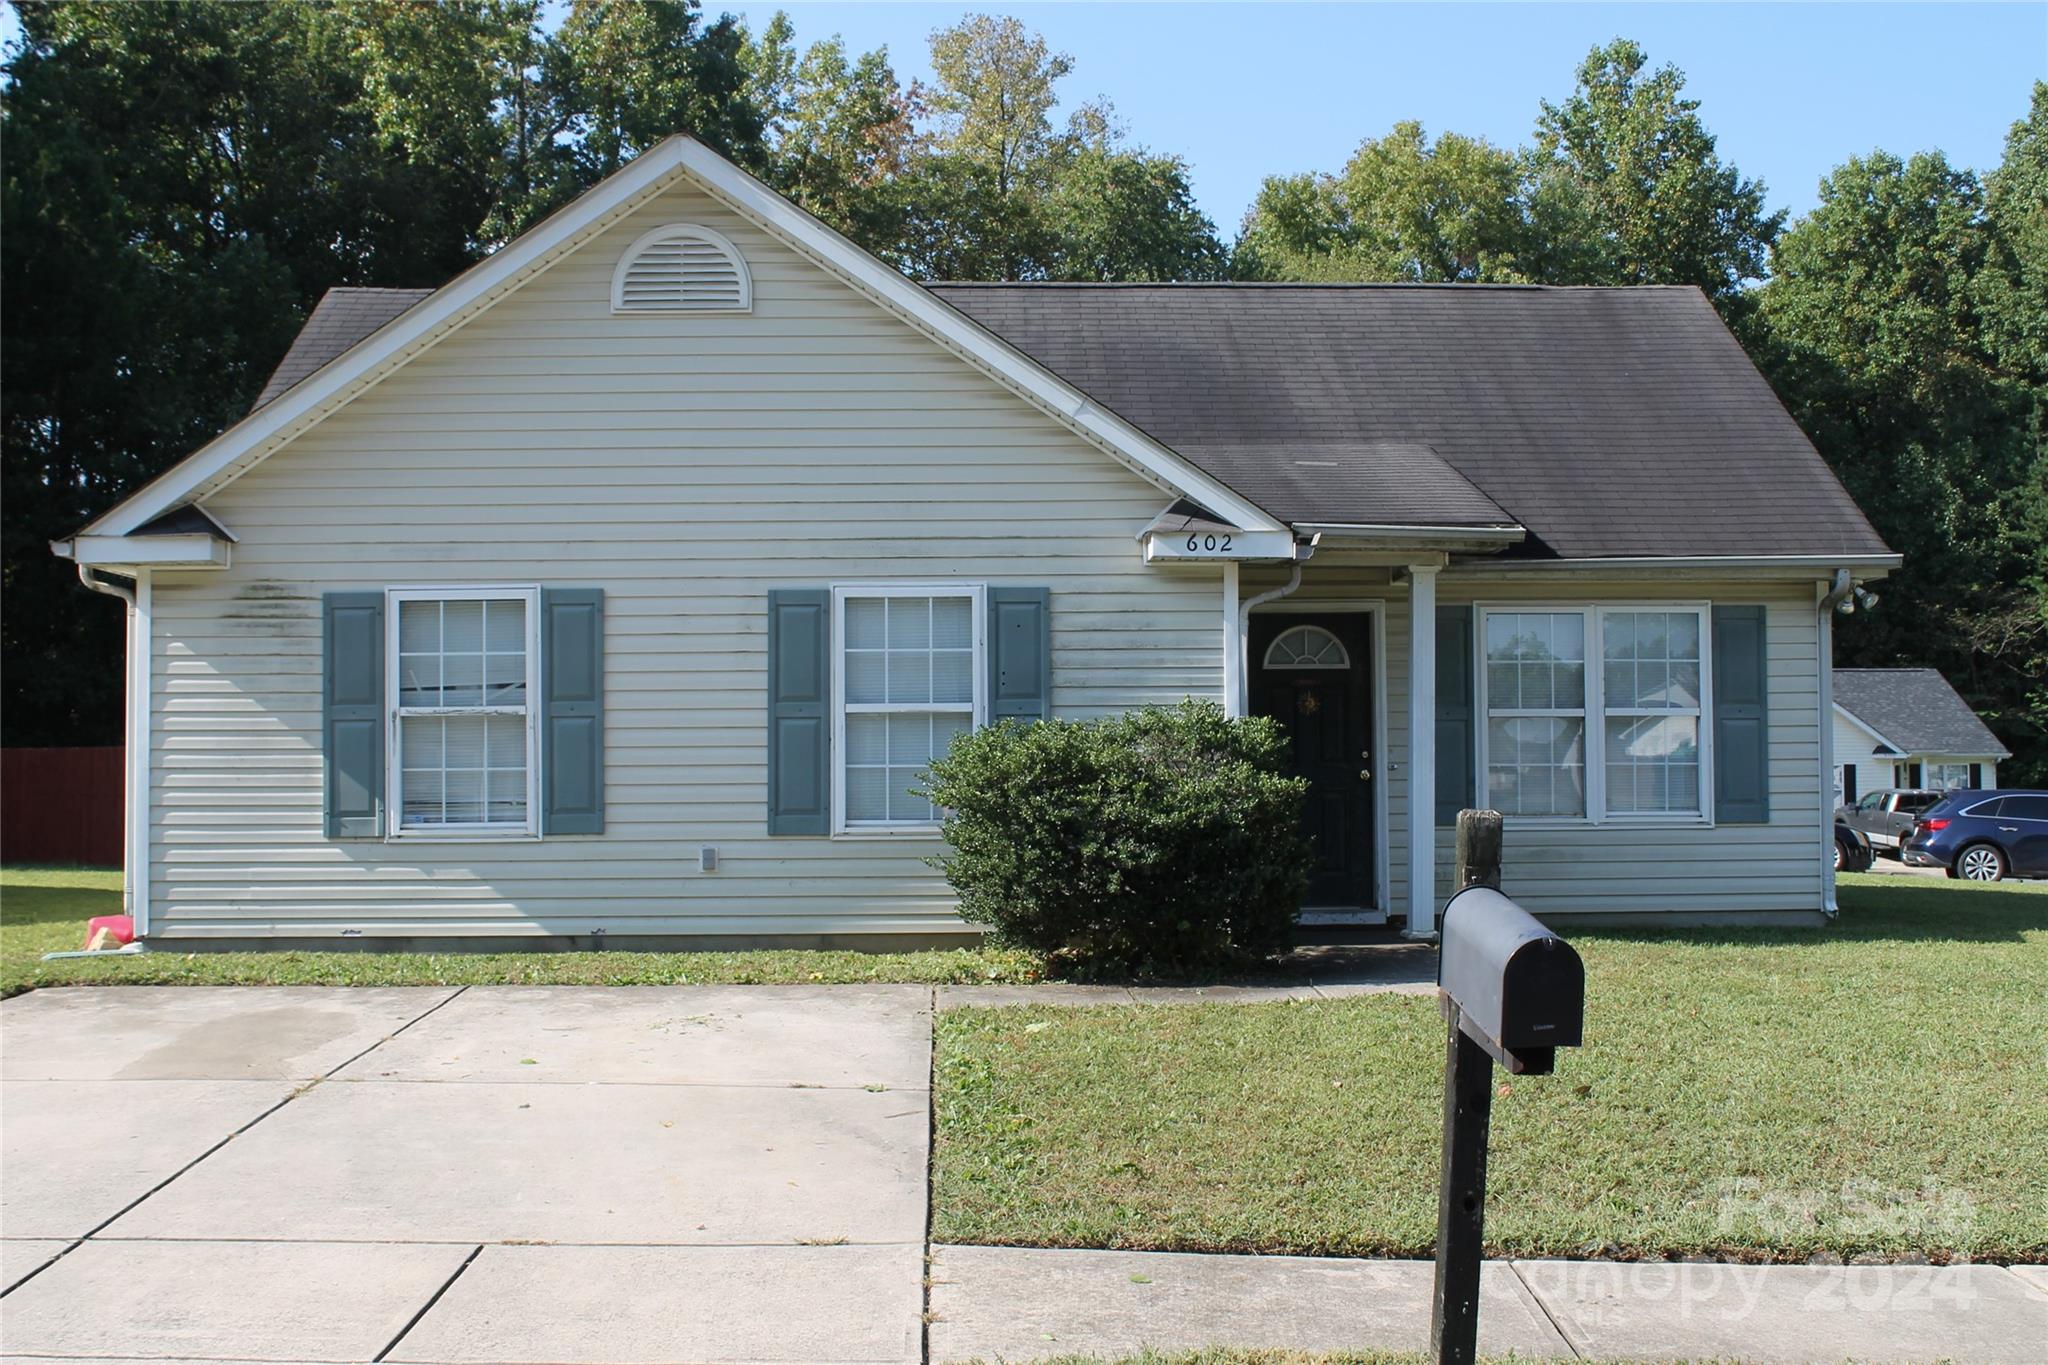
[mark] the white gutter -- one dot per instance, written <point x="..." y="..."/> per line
<point x="134" y="739"/>
<point x="1836" y="562"/>
<point x="1504" y="535"/>
<point x="1837" y="593"/>
<point x="1242" y="645"/>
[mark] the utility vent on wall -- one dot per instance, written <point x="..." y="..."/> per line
<point x="682" y="268"/>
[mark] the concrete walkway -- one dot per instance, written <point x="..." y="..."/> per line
<point x="713" y="1174"/>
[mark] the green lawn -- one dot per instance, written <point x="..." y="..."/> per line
<point x="1879" y="1086"/>
<point x="45" y="909"/>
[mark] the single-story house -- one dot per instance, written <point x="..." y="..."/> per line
<point x="1906" y="727"/>
<point x="626" y="583"/>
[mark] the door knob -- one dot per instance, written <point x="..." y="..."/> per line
<point x="1365" y="774"/>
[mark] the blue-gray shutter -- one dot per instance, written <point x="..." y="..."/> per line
<point x="572" y="710"/>
<point x="1019" y="653"/>
<point x="1913" y="774"/>
<point x="1976" y="777"/>
<point x="799" y="700"/>
<point x="1455" y="721"/>
<point x="1742" y="750"/>
<point x="352" y="713"/>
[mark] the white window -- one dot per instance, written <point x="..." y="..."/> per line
<point x="1536" y="712"/>
<point x="464" y="673"/>
<point x="908" y="677"/>
<point x="1947" y="777"/>
<point x="1621" y="741"/>
<point x="1650" y="707"/>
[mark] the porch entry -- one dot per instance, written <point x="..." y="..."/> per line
<point x="1312" y="673"/>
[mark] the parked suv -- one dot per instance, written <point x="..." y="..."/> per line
<point x="1885" y="816"/>
<point x="1983" y="836"/>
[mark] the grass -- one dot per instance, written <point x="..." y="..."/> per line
<point x="45" y="909"/>
<point x="1878" y="1087"/>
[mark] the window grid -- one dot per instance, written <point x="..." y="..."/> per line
<point x="462" y="665"/>
<point x="1646" y="756"/>
<point x="1536" y="712"/>
<point x="1650" y="684"/>
<point x="909" y="682"/>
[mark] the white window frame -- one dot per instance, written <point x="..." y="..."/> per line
<point x="1594" y="614"/>
<point x="1929" y="767"/>
<point x="394" y="758"/>
<point x="976" y="595"/>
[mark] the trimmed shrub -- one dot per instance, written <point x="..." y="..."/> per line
<point x="1167" y="841"/>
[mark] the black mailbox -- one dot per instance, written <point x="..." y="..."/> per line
<point x="1520" y="990"/>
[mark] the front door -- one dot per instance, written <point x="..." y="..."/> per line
<point x="1310" y="674"/>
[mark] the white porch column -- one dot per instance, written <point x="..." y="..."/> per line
<point x="1233" y="644"/>
<point x="1422" y="750"/>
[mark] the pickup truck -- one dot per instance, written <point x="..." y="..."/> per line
<point x="1885" y="816"/>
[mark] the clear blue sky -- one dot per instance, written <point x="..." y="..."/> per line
<point x="1242" y="91"/>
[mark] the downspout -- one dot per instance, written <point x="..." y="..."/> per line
<point x="1837" y="593"/>
<point x="1244" y="622"/>
<point x="90" y="577"/>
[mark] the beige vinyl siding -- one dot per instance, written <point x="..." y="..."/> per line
<point x="686" y="465"/>
<point x="1615" y="867"/>
<point x="1621" y="867"/>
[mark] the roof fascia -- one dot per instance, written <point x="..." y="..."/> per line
<point x="966" y="338"/>
<point x="1898" y="751"/>
<point x="369" y="360"/>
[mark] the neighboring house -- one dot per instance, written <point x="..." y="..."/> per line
<point x="1906" y="727"/>
<point x="627" y="583"/>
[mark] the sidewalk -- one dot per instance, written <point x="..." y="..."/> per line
<point x="1019" y="1304"/>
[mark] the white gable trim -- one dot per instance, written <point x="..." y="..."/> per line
<point x="1867" y="728"/>
<point x="268" y="429"/>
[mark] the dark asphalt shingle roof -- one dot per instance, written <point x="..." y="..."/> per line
<point x="342" y="318"/>
<point x="1606" y="421"/>
<point x="1609" y="422"/>
<point x="1917" y="710"/>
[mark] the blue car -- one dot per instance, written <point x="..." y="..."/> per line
<point x="1983" y="836"/>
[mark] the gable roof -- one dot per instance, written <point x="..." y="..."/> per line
<point x="1916" y="710"/>
<point x="298" y="406"/>
<point x="1608" y="422"/>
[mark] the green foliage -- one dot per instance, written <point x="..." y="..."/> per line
<point x="1403" y="209"/>
<point x="1903" y="327"/>
<point x="1626" y="187"/>
<point x="1623" y="185"/>
<point x="1165" y="841"/>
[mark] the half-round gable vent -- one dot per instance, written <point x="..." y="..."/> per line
<point x="682" y="268"/>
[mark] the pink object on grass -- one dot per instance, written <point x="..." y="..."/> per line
<point x="121" y="928"/>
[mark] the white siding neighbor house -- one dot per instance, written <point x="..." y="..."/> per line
<point x="1907" y="727"/>
<point x="625" y="584"/>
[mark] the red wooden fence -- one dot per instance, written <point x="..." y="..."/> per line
<point x="61" y="806"/>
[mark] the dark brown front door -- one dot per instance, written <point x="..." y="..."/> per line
<point x="1310" y="673"/>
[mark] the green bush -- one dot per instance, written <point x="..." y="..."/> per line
<point x="1167" y="841"/>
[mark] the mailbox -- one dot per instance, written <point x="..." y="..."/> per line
<point x="1520" y="990"/>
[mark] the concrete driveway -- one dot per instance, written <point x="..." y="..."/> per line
<point x="489" y="1174"/>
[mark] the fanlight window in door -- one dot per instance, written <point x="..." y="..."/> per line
<point x="1307" y="647"/>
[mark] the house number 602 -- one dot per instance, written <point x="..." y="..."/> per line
<point x="1213" y="543"/>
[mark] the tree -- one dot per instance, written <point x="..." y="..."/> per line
<point x="993" y="191"/>
<point x="1402" y="209"/>
<point x="838" y="130"/>
<point x="180" y="181"/>
<point x="1626" y="186"/>
<point x="1874" y="328"/>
